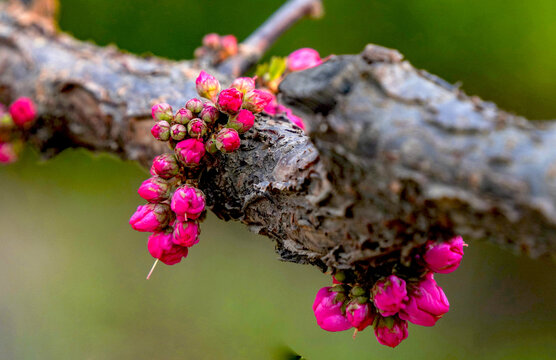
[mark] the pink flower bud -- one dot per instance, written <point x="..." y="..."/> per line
<point x="242" y="122"/>
<point x="190" y="152"/>
<point x="244" y="84"/>
<point x="207" y="86"/>
<point x="194" y="105"/>
<point x="390" y="331"/>
<point x="445" y="257"/>
<point x="197" y="128"/>
<point x="178" y="132"/>
<point x="230" y="100"/>
<point x="209" y="114"/>
<point x="188" y="201"/>
<point x="328" y="311"/>
<point x="389" y="295"/>
<point x="183" y="116"/>
<point x="229" y="45"/>
<point x="210" y="145"/>
<point x="151" y="217"/>
<point x="8" y="154"/>
<point x="211" y="40"/>
<point x="227" y="140"/>
<point x="23" y="111"/>
<point x="427" y="303"/>
<point x="359" y="315"/>
<point x="256" y="100"/>
<point x="302" y="59"/>
<point x="161" y="247"/>
<point x="154" y="190"/>
<point x="165" y="165"/>
<point x="161" y="130"/>
<point x="162" y="111"/>
<point x="186" y="233"/>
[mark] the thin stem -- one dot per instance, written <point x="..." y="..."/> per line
<point x="254" y="47"/>
<point x="152" y="269"/>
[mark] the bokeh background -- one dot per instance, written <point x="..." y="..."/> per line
<point x="72" y="271"/>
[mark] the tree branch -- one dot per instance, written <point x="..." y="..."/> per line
<point x="398" y="157"/>
<point x="256" y="45"/>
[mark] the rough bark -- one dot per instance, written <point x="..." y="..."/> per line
<point x="398" y="156"/>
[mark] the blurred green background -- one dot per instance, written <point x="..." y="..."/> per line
<point x="72" y="270"/>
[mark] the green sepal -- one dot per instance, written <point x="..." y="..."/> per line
<point x="340" y="276"/>
<point x="358" y="291"/>
<point x="338" y="288"/>
<point x="262" y="70"/>
<point x="361" y="300"/>
<point x="277" y="67"/>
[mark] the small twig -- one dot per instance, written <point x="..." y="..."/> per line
<point x="254" y="47"/>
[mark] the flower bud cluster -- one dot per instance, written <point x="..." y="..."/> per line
<point x="217" y="48"/>
<point x="390" y="302"/>
<point x="175" y="204"/>
<point x="14" y="121"/>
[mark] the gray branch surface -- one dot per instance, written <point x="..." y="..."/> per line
<point x="396" y="155"/>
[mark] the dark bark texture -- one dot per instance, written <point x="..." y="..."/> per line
<point x="395" y="155"/>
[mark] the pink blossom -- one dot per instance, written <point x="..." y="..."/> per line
<point x="7" y="153"/>
<point x="207" y="86"/>
<point x="390" y="331"/>
<point x="23" y="111"/>
<point x="151" y="217"/>
<point x="389" y="295"/>
<point x="230" y="100"/>
<point x="242" y="122"/>
<point x="211" y="40"/>
<point x="161" y="130"/>
<point x="197" y="128"/>
<point x="427" y="303"/>
<point x="209" y="114"/>
<point x="190" y="151"/>
<point x="273" y="108"/>
<point x="445" y="257"/>
<point x="302" y="59"/>
<point x="360" y="315"/>
<point x="328" y="311"/>
<point x="194" y="105"/>
<point x="165" y="165"/>
<point x="227" y="140"/>
<point x="183" y="116"/>
<point x="188" y="201"/>
<point x="256" y="100"/>
<point x="161" y="247"/>
<point x="186" y="233"/>
<point x="296" y="120"/>
<point x="154" y="190"/>
<point x="162" y="111"/>
<point x="244" y="84"/>
<point x="229" y="45"/>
